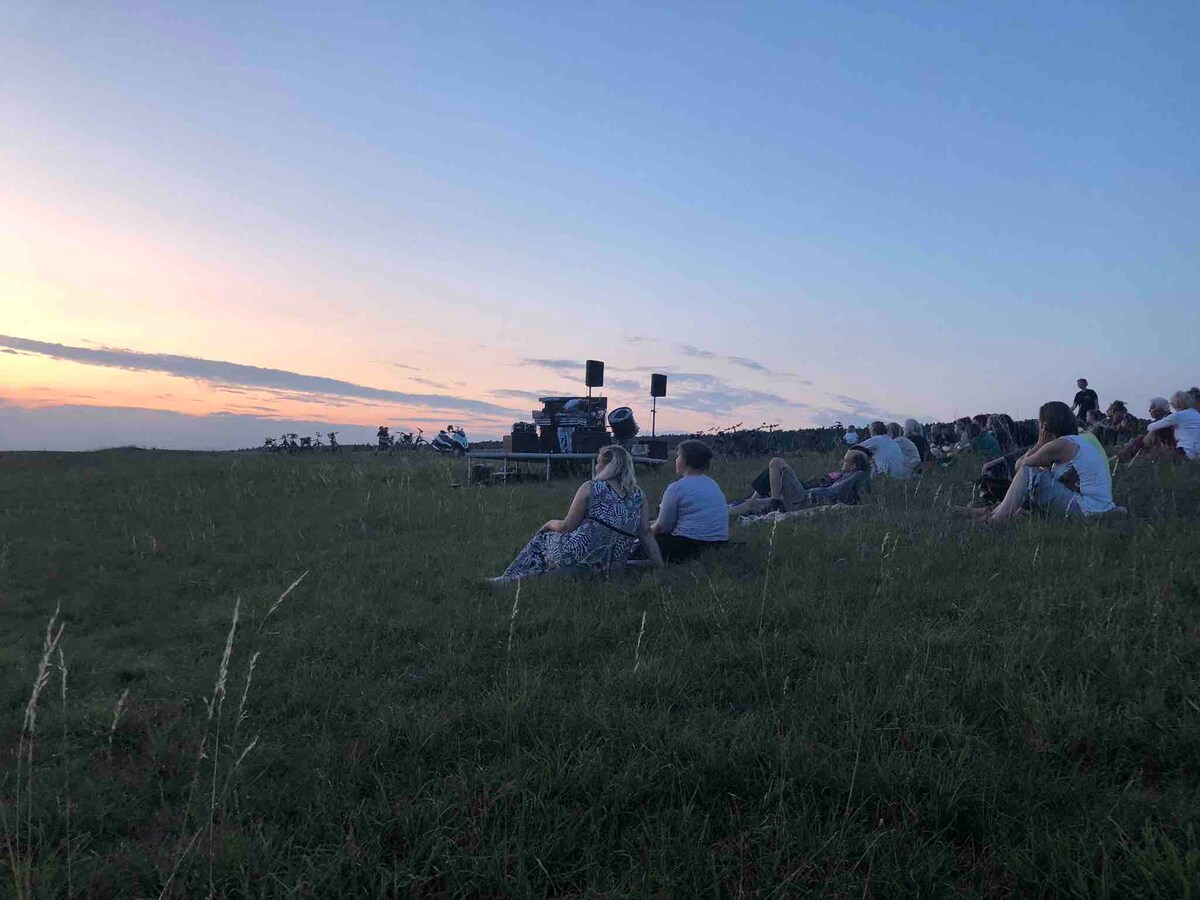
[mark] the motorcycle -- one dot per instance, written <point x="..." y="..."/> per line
<point x="452" y="439"/>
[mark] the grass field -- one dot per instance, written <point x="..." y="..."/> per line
<point x="882" y="702"/>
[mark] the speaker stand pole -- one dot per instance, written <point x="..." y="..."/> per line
<point x="654" y="417"/>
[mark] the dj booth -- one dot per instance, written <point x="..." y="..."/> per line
<point x="566" y="426"/>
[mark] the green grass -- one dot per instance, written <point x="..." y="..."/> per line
<point x="883" y="702"/>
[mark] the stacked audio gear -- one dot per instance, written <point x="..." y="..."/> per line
<point x="571" y="424"/>
<point x="577" y="424"/>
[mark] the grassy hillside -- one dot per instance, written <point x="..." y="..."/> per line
<point x="881" y="702"/>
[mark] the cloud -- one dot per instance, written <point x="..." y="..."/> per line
<point x="700" y="392"/>
<point x="638" y="339"/>
<point x="713" y="395"/>
<point x="226" y="374"/>
<point x="403" y="366"/>
<point x="427" y="382"/>
<point x="747" y="363"/>
<point x="743" y="362"/>
<point x="575" y="369"/>
<point x="508" y="393"/>
<point x="856" y="408"/>
<point x="562" y="366"/>
<point x="9" y="350"/>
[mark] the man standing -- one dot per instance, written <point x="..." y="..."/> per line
<point x="1085" y="401"/>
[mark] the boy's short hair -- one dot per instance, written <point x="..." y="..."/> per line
<point x="695" y="454"/>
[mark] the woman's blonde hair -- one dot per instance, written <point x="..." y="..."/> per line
<point x="616" y="467"/>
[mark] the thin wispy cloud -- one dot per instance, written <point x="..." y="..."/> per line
<point x="701" y="392"/>
<point x="513" y="394"/>
<point x="562" y="366"/>
<point x="743" y="362"/>
<point x="747" y="363"/>
<point x="427" y="382"/>
<point x="219" y="373"/>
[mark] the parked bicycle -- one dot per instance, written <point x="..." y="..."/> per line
<point x="412" y="440"/>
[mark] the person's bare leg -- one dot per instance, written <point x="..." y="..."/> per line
<point x="1014" y="500"/>
<point x="775" y="472"/>
<point x="755" y="506"/>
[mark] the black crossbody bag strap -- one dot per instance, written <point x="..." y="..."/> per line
<point x="611" y="527"/>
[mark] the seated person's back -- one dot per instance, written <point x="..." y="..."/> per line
<point x="694" y="507"/>
<point x="1185" y="421"/>
<point x="886" y="455"/>
<point x="694" y="513"/>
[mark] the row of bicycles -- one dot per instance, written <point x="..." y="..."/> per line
<point x="737" y="442"/>
<point x="386" y="442"/>
<point x="293" y="443"/>
<point x="452" y="440"/>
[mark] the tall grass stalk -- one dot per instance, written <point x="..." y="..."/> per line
<point x="21" y="860"/>
<point x="637" y="650"/>
<point x="512" y="619"/>
<point x="62" y="671"/>
<point x="112" y="731"/>
<point x="279" y="602"/>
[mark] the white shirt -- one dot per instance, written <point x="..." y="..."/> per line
<point x="912" y="455"/>
<point x="1095" y="478"/>
<point x="886" y="456"/>
<point x="1186" y="423"/>
<point x="694" y="507"/>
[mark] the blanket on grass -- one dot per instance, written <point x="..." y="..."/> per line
<point x="808" y="513"/>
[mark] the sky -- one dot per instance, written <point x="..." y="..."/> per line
<point x="220" y="222"/>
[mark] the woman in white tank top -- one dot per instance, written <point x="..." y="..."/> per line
<point x="1065" y="473"/>
<point x="1095" y="478"/>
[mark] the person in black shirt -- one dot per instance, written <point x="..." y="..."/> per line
<point x="1085" y="401"/>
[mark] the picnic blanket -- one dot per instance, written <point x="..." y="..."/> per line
<point x="808" y="513"/>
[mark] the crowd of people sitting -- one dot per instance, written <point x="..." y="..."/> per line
<point x="1061" y="465"/>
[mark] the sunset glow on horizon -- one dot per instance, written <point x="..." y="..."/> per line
<point x="216" y="224"/>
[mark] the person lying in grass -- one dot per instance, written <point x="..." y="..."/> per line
<point x="779" y="489"/>
<point x="693" y="516"/>
<point x="1065" y="472"/>
<point x="607" y="516"/>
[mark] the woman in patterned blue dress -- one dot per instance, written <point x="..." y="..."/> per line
<point x="606" y="517"/>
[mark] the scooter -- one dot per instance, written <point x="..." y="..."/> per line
<point x="452" y="439"/>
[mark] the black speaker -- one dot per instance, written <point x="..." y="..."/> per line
<point x="595" y="373"/>
<point x="589" y="440"/>
<point x="658" y="385"/>
<point x="624" y="428"/>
